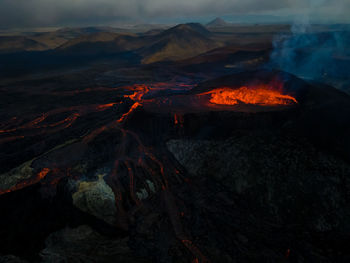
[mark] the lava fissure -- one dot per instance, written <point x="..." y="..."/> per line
<point x="174" y="216"/>
<point x="132" y="185"/>
<point x="263" y="95"/>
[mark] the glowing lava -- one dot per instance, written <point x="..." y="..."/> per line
<point x="125" y="115"/>
<point x="139" y="91"/>
<point x="259" y="95"/>
<point x="33" y="180"/>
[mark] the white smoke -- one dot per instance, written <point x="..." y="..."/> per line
<point x="312" y="51"/>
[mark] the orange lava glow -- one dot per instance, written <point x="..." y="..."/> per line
<point x="288" y="253"/>
<point x="139" y="91"/>
<point x="125" y="115"/>
<point x="195" y="251"/>
<point x="176" y="119"/>
<point x="105" y="106"/>
<point x="41" y="175"/>
<point x="179" y="120"/>
<point x="258" y="95"/>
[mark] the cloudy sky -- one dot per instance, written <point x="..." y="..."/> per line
<point x="42" y="13"/>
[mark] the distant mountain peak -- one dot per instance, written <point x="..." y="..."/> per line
<point x="179" y="42"/>
<point x="191" y="27"/>
<point x="217" y="22"/>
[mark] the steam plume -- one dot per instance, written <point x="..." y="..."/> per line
<point x="315" y="52"/>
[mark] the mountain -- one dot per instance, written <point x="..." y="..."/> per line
<point x="61" y="36"/>
<point x="194" y="27"/>
<point x="93" y="38"/>
<point x="74" y="32"/>
<point x="218" y="22"/>
<point x="39" y="41"/>
<point x="179" y="42"/>
<point x="51" y="39"/>
<point x="66" y="47"/>
<point x="102" y="43"/>
<point x="9" y="44"/>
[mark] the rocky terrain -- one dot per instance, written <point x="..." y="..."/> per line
<point x="123" y="160"/>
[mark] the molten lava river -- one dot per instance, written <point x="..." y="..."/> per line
<point x="264" y="95"/>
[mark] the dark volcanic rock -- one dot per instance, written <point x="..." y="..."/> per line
<point x="266" y="194"/>
<point x="83" y="244"/>
<point x="11" y="259"/>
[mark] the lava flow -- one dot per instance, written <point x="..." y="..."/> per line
<point x="133" y="157"/>
<point x="33" y="180"/>
<point x="264" y="95"/>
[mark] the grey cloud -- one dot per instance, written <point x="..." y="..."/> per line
<point x="19" y="13"/>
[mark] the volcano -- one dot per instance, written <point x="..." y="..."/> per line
<point x="155" y="154"/>
<point x="218" y="22"/>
